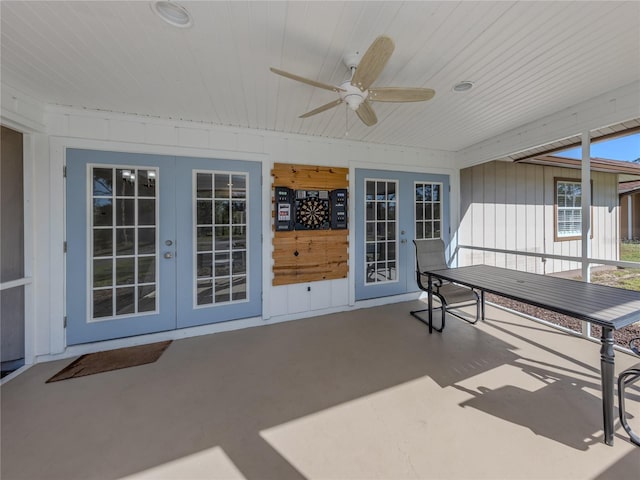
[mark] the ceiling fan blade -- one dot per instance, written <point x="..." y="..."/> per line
<point x="366" y="114"/>
<point x="400" y="94"/>
<point x="327" y="106"/>
<point x="306" y="80"/>
<point x="373" y="62"/>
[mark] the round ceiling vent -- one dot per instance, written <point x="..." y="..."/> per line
<point x="172" y="13"/>
<point x="463" y="86"/>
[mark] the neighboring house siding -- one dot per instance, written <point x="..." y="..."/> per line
<point x="511" y="206"/>
<point x="624" y="216"/>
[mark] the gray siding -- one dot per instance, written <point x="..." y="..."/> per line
<point x="511" y="206"/>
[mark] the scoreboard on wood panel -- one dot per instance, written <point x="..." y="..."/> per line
<point x="310" y="209"/>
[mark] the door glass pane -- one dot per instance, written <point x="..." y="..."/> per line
<point x="222" y="238"/>
<point x="222" y="232"/>
<point x="102" y="212"/>
<point x="205" y="265"/>
<point x="427" y="200"/>
<point x="205" y="239"/>
<point x="221" y="185"/>
<point x="146" y="212"/>
<point x="102" y="272"/>
<point x="125" y="182"/>
<point x="125" y="271"/>
<point x="125" y="211"/>
<point x="380" y="227"/>
<point x="239" y="264"/>
<point x="203" y="185"/>
<point x="146" y="298"/>
<point x="204" y="292"/>
<point x="146" y="240"/>
<point x="125" y="241"/>
<point x="124" y="266"/>
<point x="238" y="186"/>
<point x="102" y="242"/>
<point x="125" y="301"/>
<point x="222" y="267"/>
<point x="146" y="269"/>
<point x="103" y="303"/>
<point x="146" y="183"/>
<point x="222" y="212"/>
<point x="239" y="288"/>
<point x="204" y="212"/>
<point x="222" y="290"/>
<point x="102" y="182"/>
<point x="239" y="238"/>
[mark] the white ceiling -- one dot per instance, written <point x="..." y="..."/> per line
<point x="527" y="59"/>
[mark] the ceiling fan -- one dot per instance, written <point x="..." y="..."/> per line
<point x="356" y="93"/>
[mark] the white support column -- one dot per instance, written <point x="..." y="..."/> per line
<point x="586" y="216"/>
<point x="630" y="217"/>
<point x="586" y="205"/>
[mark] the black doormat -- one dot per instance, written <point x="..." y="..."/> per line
<point x="111" y="360"/>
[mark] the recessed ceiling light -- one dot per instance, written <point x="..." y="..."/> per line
<point x="463" y="86"/>
<point x="173" y="14"/>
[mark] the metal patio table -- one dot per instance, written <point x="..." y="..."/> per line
<point x="610" y="308"/>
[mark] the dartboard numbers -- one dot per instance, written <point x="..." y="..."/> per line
<point x="312" y="210"/>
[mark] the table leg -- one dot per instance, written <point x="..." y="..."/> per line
<point x="607" y="371"/>
<point x="430" y="302"/>
<point x="482" y="304"/>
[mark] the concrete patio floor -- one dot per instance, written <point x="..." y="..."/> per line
<point x="362" y="394"/>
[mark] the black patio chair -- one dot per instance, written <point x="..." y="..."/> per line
<point x="430" y="256"/>
<point x="628" y="377"/>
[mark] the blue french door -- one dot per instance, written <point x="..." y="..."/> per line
<point x="156" y="243"/>
<point x="392" y="209"/>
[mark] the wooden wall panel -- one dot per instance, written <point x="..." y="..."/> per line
<point x="309" y="177"/>
<point x="321" y="254"/>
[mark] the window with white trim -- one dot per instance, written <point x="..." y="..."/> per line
<point x="221" y="232"/>
<point x="381" y="225"/>
<point x="428" y="205"/>
<point x="568" y="201"/>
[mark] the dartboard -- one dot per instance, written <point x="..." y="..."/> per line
<point x="312" y="213"/>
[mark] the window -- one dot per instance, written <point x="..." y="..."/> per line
<point x="221" y="255"/>
<point x="428" y="207"/>
<point x="568" y="209"/>
<point x="381" y="231"/>
<point x="123" y="244"/>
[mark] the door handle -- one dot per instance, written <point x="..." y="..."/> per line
<point x="168" y="255"/>
<point x="403" y="240"/>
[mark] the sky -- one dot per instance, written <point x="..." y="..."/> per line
<point x="621" y="148"/>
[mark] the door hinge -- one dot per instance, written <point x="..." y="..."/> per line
<point x="449" y="188"/>
<point x="64" y="171"/>
<point x="64" y="247"/>
<point x="65" y="321"/>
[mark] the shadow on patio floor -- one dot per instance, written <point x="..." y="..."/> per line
<point x="223" y="390"/>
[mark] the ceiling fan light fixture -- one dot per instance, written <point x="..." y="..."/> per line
<point x="355" y="92"/>
<point x="463" y="86"/>
<point x="353" y="100"/>
<point x="352" y="95"/>
<point x="172" y="13"/>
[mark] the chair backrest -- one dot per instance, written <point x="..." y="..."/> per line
<point x="430" y="255"/>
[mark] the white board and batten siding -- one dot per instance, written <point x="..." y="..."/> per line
<point x="510" y="206"/>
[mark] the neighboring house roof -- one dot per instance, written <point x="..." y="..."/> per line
<point x="628" y="171"/>
<point x="629" y="187"/>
